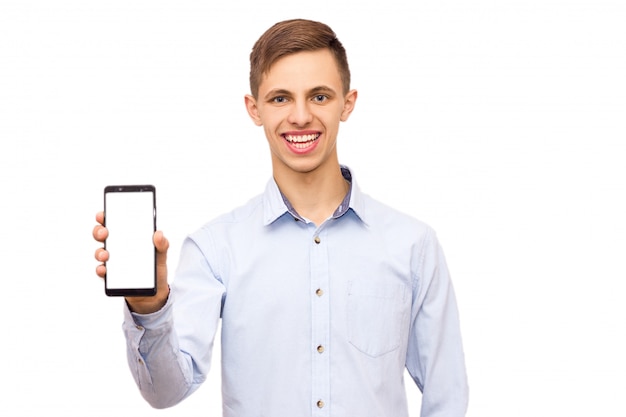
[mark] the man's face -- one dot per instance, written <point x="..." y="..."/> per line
<point x="300" y="104"/>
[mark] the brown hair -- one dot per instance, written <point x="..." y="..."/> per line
<point x="292" y="36"/>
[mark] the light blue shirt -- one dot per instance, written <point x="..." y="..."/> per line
<point x="316" y="320"/>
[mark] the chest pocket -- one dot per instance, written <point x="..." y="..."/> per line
<point x="377" y="317"/>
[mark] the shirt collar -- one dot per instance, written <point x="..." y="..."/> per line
<point x="275" y="204"/>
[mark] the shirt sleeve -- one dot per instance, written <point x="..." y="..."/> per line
<point x="435" y="357"/>
<point x="169" y="351"/>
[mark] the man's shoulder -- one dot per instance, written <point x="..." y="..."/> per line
<point x="386" y="216"/>
<point x="244" y="216"/>
<point x="402" y="234"/>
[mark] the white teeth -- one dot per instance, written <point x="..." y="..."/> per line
<point x="301" y="138"/>
<point x="301" y="145"/>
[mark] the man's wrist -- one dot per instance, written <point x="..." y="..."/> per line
<point x="148" y="305"/>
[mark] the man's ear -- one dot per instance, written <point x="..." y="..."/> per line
<point x="253" y="110"/>
<point x="348" y="105"/>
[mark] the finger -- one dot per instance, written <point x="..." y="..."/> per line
<point x="100" y="217"/>
<point x="162" y="245"/>
<point x="100" y="233"/>
<point x="102" y="255"/>
<point x="101" y="271"/>
<point x="160" y="242"/>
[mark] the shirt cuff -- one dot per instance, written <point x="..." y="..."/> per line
<point x="151" y="321"/>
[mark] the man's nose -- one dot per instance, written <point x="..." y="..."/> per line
<point x="300" y="114"/>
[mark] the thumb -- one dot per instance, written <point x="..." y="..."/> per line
<point x="160" y="242"/>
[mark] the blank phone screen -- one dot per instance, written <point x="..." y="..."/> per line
<point x="130" y="219"/>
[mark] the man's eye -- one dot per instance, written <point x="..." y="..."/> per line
<point x="279" y="99"/>
<point x="320" y="98"/>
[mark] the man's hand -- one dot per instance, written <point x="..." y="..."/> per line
<point x="141" y="305"/>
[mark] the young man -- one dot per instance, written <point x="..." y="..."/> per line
<point x="325" y="295"/>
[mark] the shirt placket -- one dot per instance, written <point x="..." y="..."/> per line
<point x="320" y="305"/>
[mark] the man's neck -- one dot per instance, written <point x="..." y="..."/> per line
<point x="314" y="195"/>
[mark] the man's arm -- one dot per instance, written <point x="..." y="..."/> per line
<point x="435" y="357"/>
<point x="169" y="352"/>
<point x="168" y="361"/>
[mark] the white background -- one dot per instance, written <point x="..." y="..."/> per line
<point x="501" y="123"/>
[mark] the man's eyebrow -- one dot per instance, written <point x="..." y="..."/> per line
<point x="277" y="92"/>
<point x="322" y="89"/>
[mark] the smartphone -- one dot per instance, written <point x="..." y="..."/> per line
<point x="130" y="217"/>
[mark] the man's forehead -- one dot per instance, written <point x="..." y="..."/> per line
<point x="305" y="70"/>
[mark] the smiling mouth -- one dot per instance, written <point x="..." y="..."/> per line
<point x="301" y="141"/>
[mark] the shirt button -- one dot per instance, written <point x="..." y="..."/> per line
<point x="320" y="349"/>
<point x="320" y="404"/>
<point x="319" y="292"/>
<point x="317" y="240"/>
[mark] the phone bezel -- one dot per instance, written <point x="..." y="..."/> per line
<point x="132" y="292"/>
